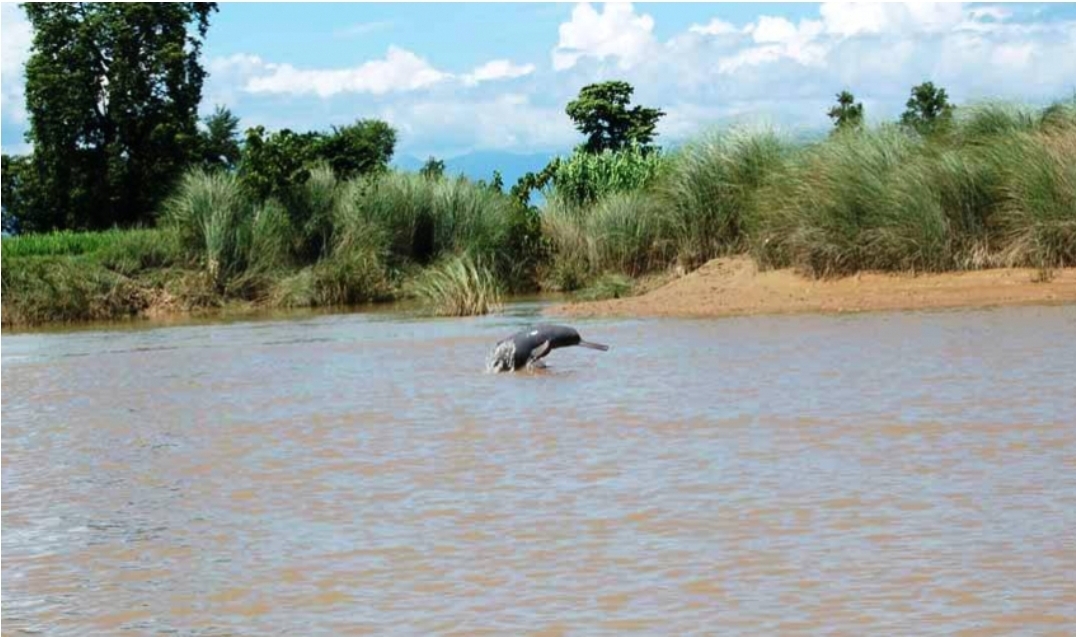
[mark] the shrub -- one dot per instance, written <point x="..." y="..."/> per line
<point x="585" y="178"/>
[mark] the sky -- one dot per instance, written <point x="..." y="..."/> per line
<point x="455" y="79"/>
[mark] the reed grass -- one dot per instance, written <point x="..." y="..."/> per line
<point x="458" y="286"/>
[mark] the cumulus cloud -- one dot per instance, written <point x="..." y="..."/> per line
<point x="401" y="70"/>
<point x="506" y="122"/>
<point x="617" y="32"/>
<point x="497" y="70"/>
<point x="714" y="27"/>
<point x="17" y="38"/>
<point x="790" y="70"/>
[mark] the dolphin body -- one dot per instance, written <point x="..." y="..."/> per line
<point x="524" y="349"/>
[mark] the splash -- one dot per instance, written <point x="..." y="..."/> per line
<point x="502" y="358"/>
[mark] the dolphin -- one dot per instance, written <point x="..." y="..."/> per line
<point x="524" y="349"/>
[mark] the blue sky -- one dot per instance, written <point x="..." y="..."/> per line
<point x="463" y="78"/>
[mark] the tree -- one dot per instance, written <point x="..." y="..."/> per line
<point x="274" y="164"/>
<point x="433" y="168"/>
<point x="358" y="149"/>
<point x="220" y="140"/>
<point x="601" y="113"/>
<point x="928" y="109"/>
<point x="21" y="195"/>
<point x="847" y="114"/>
<point x="112" y="91"/>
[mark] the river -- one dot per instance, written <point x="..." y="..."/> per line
<point x="907" y="473"/>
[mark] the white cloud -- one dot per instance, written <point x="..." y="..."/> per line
<point x="769" y="29"/>
<point x="714" y="27"/>
<point x="497" y="70"/>
<point x="617" y="32"/>
<point x="848" y="19"/>
<point x="506" y="122"/>
<point x="790" y="71"/>
<point x="14" y="51"/>
<point x="401" y="70"/>
<point x="996" y="13"/>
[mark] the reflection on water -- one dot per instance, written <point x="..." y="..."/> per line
<point x="909" y="473"/>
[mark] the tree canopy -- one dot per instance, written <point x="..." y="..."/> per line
<point x="848" y="113"/>
<point x="601" y="113"/>
<point x="928" y="109"/>
<point x="112" y="92"/>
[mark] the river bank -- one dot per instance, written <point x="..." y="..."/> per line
<point x="735" y="286"/>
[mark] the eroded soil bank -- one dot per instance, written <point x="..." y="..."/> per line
<point x="735" y="286"/>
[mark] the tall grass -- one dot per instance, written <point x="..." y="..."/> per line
<point x="623" y="233"/>
<point x="459" y="286"/>
<point x="709" y="190"/>
<point x="1036" y="216"/>
<point x="421" y="220"/>
<point x="231" y="235"/>
<point x="857" y="201"/>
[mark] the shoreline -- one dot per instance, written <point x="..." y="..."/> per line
<point x="733" y="286"/>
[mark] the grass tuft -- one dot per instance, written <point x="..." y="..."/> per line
<point x="458" y="286"/>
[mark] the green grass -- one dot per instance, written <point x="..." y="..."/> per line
<point x="709" y="191"/>
<point x="66" y="242"/>
<point x="458" y="286"/>
<point x="62" y="289"/>
<point x="608" y="286"/>
<point x="235" y="239"/>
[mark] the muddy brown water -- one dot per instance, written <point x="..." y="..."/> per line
<point x="880" y="474"/>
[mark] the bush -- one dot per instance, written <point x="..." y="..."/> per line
<point x="585" y="178"/>
<point x="421" y="220"/>
<point x="608" y="286"/>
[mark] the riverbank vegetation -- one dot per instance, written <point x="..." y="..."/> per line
<point x="291" y="219"/>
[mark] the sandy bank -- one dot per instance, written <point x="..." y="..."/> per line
<point x="734" y="286"/>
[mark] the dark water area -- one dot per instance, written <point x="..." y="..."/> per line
<point x="904" y="473"/>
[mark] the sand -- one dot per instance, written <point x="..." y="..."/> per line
<point x="734" y="286"/>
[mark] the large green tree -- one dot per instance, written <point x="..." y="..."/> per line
<point x="601" y="113"/>
<point x="112" y="91"/>
<point x="847" y="114"/>
<point x="928" y="109"/>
